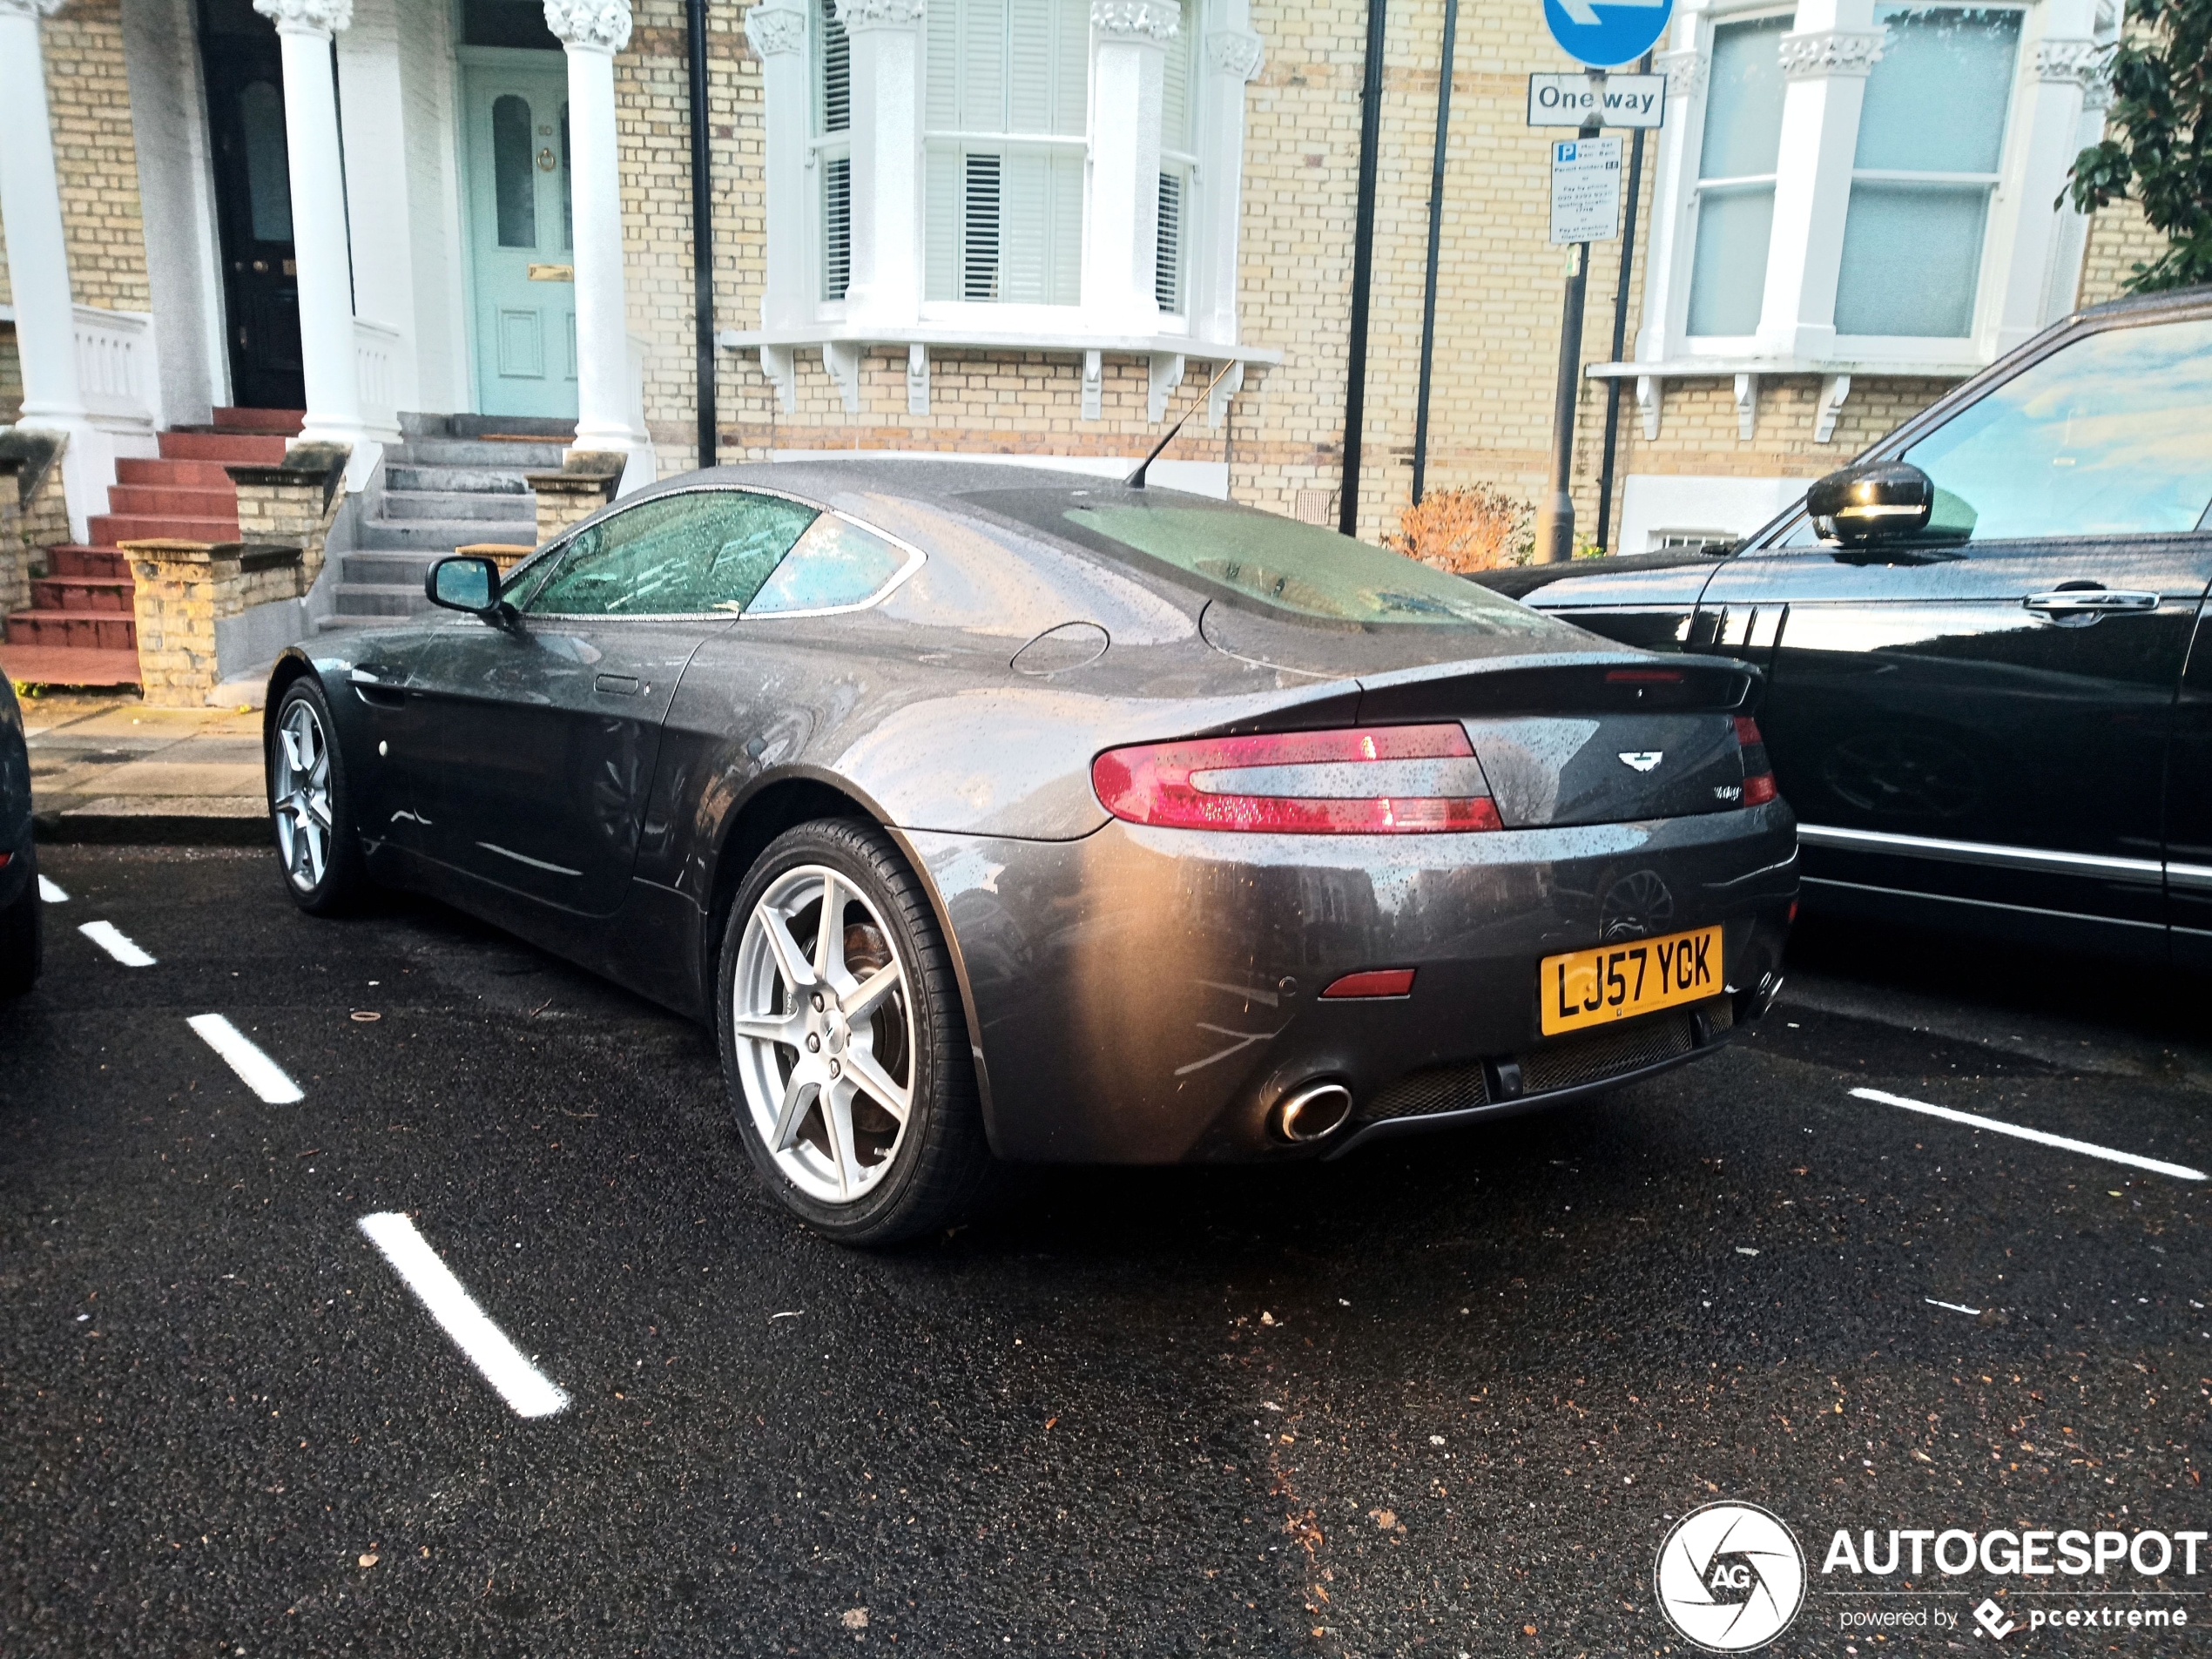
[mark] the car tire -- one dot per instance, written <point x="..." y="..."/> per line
<point x="310" y="808"/>
<point x="814" y="1067"/>
<point x="23" y="935"/>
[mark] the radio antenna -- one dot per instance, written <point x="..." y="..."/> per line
<point x="1136" y="479"/>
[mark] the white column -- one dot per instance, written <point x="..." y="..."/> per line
<point x="373" y="114"/>
<point x="30" y="206"/>
<point x="1127" y="74"/>
<point x="777" y="30"/>
<point x="886" y="43"/>
<point x="305" y="29"/>
<point x="1826" y="63"/>
<point x="2027" y="220"/>
<point x="593" y="31"/>
<point x="1667" y="255"/>
<point x="1230" y="61"/>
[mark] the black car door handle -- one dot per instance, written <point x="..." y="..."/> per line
<point x="2096" y="601"/>
<point x="618" y="684"/>
<point x="369" y="680"/>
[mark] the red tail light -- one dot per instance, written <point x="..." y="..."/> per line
<point x="1758" y="777"/>
<point x="1383" y="781"/>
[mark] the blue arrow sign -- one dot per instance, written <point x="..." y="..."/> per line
<point x="1606" y="34"/>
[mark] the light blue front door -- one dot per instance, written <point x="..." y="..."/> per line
<point x="520" y="239"/>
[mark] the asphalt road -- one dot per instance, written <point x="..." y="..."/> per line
<point x="1445" y="1397"/>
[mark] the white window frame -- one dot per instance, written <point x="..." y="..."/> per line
<point x="2031" y="253"/>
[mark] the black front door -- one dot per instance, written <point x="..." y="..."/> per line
<point x="1982" y="718"/>
<point x="244" y="78"/>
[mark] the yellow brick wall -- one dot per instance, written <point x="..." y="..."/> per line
<point x="88" y="95"/>
<point x="2120" y="239"/>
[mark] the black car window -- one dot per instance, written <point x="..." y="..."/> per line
<point x="2108" y="436"/>
<point x="1258" y="561"/>
<point x="836" y="565"/>
<point x="681" y="555"/>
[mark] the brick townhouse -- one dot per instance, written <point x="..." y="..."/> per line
<point x="408" y="259"/>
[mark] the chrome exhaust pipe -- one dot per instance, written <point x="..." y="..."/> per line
<point x="1311" y="1113"/>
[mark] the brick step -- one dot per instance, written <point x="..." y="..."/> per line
<point x="62" y="665"/>
<point x="72" y="558"/>
<point x="112" y="529"/>
<point x="80" y="594"/>
<point x="173" y="475"/>
<point x="73" y="630"/>
<point x="287" y="421"/>
<point x="164" y="501"/>
<point x="242" y="448"/>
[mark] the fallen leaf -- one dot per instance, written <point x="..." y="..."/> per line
<point x="1269" y="1319"/>
<point x="368" y="1561"/>
<point x="1386" y="1519"/>
<point x="854" y="1618"/>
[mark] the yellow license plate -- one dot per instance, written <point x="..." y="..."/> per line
<point x="1588" y="987"/>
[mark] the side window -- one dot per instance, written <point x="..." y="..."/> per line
<point x="702" y="551"/>
<point x="2110" y="435"/>
<point x="836" y="564"/>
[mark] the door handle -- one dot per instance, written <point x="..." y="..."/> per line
<point x="2090" y="601"/>
<point x="368" y="682"/>
<point x="618" y="684"/>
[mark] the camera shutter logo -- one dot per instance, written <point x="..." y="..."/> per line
<point x="1729" y="1577"/>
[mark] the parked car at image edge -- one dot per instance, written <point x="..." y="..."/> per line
<point x="1038" y="817"/>
<point x="1989" y="666"/>
<point x="21" y="911"/>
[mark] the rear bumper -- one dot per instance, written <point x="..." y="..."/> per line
<point x="1146" y="995"/>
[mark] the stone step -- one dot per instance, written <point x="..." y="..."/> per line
<point x="468" y="480"/>
<point x="287" y="421"/>
<point x="378" y="599"/>
<point x="166" y="501"/>
<point x="390" y="569"/>
<point x="242" y="448"/>
<point x="174" y="475"/>
<point x="83" y="593"/>
<point x="112" y="529"/>
<point x="479" y="452"/>
<point x="512" y="426"/>
<point x="440" y="503"/>
<point x="72" y="558"/>
<point x="426" y="535"/>
<point x="73" y="630"/>
<point x="62" y="665"/>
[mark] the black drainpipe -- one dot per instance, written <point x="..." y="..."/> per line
<point x="1435" y="240"/>
<point x="1363" y="267"/>
<point x="1619" y="333"/>
<point x="702" y="231"/>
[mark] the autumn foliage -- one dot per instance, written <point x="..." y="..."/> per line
<point x="1473" y="527"/>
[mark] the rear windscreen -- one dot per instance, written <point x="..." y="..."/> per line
<point x="1261" y="562"/>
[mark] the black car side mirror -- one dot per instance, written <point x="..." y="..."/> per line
<point x="466" y="583"/>
<point x="1873" y="502"/>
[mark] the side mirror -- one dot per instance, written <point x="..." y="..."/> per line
<point x="466" y="583"/>
<point x="1875" y="501"/>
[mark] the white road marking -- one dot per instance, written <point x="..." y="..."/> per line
<point x="50" y="891"/>
<point x="255" y="1069"/>
<point x="520" y="1383"/>
<point x="2064" y="1143"/>
<point x="1956" y="1307"/>
<point x="115" y="943"/>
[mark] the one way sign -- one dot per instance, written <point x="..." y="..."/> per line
<point x="1607" y="33"/>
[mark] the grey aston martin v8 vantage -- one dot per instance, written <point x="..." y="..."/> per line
<point x="992" y="812"/>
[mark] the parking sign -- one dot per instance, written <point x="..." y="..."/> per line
<point x="1586" y="190"/>
<point x="1607" y="33"/>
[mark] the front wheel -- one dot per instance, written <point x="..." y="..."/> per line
<point x="843" y="1041"/>
<point x="21" y="934"/>
<point x="309" y="805"/>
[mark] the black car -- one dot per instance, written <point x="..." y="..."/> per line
<point x="1989" y="674"/>
<point x="1034" y="816"/>
<point x="21" y="915"/>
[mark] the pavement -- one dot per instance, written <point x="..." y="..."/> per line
<point x="1447" y="1396"/>
<point x="108" y="768"/>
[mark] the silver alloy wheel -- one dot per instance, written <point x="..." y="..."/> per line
<point x="823" y="1033"/>
<point x="300" y="797"/>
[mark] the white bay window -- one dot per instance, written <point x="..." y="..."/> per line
<point x="1852" y="187"/>
<point x="1035" y="174"/>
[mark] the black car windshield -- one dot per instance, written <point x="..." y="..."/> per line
<point x="1266" y="562"/>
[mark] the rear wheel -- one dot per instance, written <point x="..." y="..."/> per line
<point x="843" y="1041"/>
<point x="21" y="934"/>
<point x="308" y="804"/>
